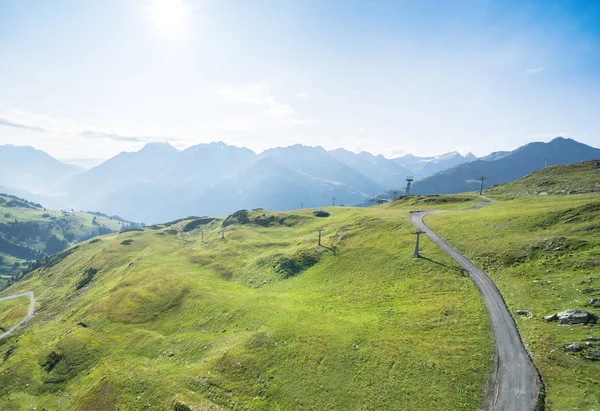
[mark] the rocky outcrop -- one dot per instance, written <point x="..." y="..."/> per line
<point x="573" y="316"/>
<point x="594" y="302"/>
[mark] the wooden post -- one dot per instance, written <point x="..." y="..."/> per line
<point x="320" y="230"/>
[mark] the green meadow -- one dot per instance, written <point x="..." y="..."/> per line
<point x="262" y="319"/>
<point x="29" y="232"/>
<point x="12" y="311"/>
<point x="543" y="253"/>
<point x="576" y="178"/>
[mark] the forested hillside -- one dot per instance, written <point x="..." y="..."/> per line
<point x="30" y="232"/>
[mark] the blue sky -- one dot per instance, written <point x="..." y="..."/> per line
<point x="89" y="79"/>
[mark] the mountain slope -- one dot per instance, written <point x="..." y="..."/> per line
<point x="508" y="167"/>
<point x="156" y="183"/>
<point x="387" y="173"/>
<point x="421" y="167"/>
<point x="25" y="168"/>
<point x="576" y="178"/>
<point x="317" y="163"/>
<point x="160" y="183"/>
<point x="30" y="232"/>
<point x="264" y="319"/>
<point x="151" y="163"/>
<point x="273" y="185"/>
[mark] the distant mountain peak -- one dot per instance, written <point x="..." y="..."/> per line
<point x="157" y="147"/>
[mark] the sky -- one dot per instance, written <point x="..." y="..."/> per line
<point x="89" y="79"/>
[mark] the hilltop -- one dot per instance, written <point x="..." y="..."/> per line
<point x="262" y="319"/>
<point x="577" y="178"/>
<point x="30" y="232"/>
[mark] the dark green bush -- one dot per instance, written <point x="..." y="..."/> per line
<point x="87" y="277"/>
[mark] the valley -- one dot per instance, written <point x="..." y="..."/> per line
<point x="250" y="312"/>
<point x="299" y="205"/>
<point x="159" y="182"/>
<point x="30" y="233"/>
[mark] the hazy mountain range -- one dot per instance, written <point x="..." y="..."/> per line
<point x="502" y="167"/>
<point x="159" y="182"/>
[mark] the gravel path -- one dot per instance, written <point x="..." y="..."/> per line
<point x="29" y="312"/>
<point x="515" y="383"/>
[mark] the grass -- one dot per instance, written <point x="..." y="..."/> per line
<point x="437" y="202"/>
<point x="12" y="311"/>
<point x="543" y="252"/>
<point x="174" y="322"/>
<point x="577" y="178"/>
<point x="29" y="232"/>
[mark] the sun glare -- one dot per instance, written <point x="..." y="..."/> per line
<point x="169" y="18"/>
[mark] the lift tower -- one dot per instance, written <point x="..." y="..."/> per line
<point x="409" y="180"/>
<point x="482" y="178"/>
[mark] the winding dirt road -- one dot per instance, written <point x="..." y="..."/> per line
<point x="515" y="383"/>
<point x="29" y="312"/>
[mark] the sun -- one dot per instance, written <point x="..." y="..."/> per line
<point x="169" y="18"/>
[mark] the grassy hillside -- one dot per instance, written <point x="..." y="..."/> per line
<point x="543" y="252"/>
<point x="12" y="311"/>
<point x="506" y="167"/>
<point x="577" y="178"/>
<point x="264" y="319"/>
<point x="30" y="232"/>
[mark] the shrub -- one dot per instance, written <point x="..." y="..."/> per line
<point x="239" y="217"/>
<point x="196" y="223"/>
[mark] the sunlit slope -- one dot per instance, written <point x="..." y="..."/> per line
<point x="30" y="232"/>
<point x="577" y="178"/>
<point x="264" y="319"/>
<point x="12" y="311"/>
<point x="543" y="252"/>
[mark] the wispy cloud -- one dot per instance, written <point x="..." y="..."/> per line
<point x="303" y="95"/>
<point x="114" y="136"/>
<point x="258" y="95"/>
<point x="19" y="124"/>
<point x="45" y="124"/>
<point x="534" y="70"/>
<point x="264" y="107"/>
